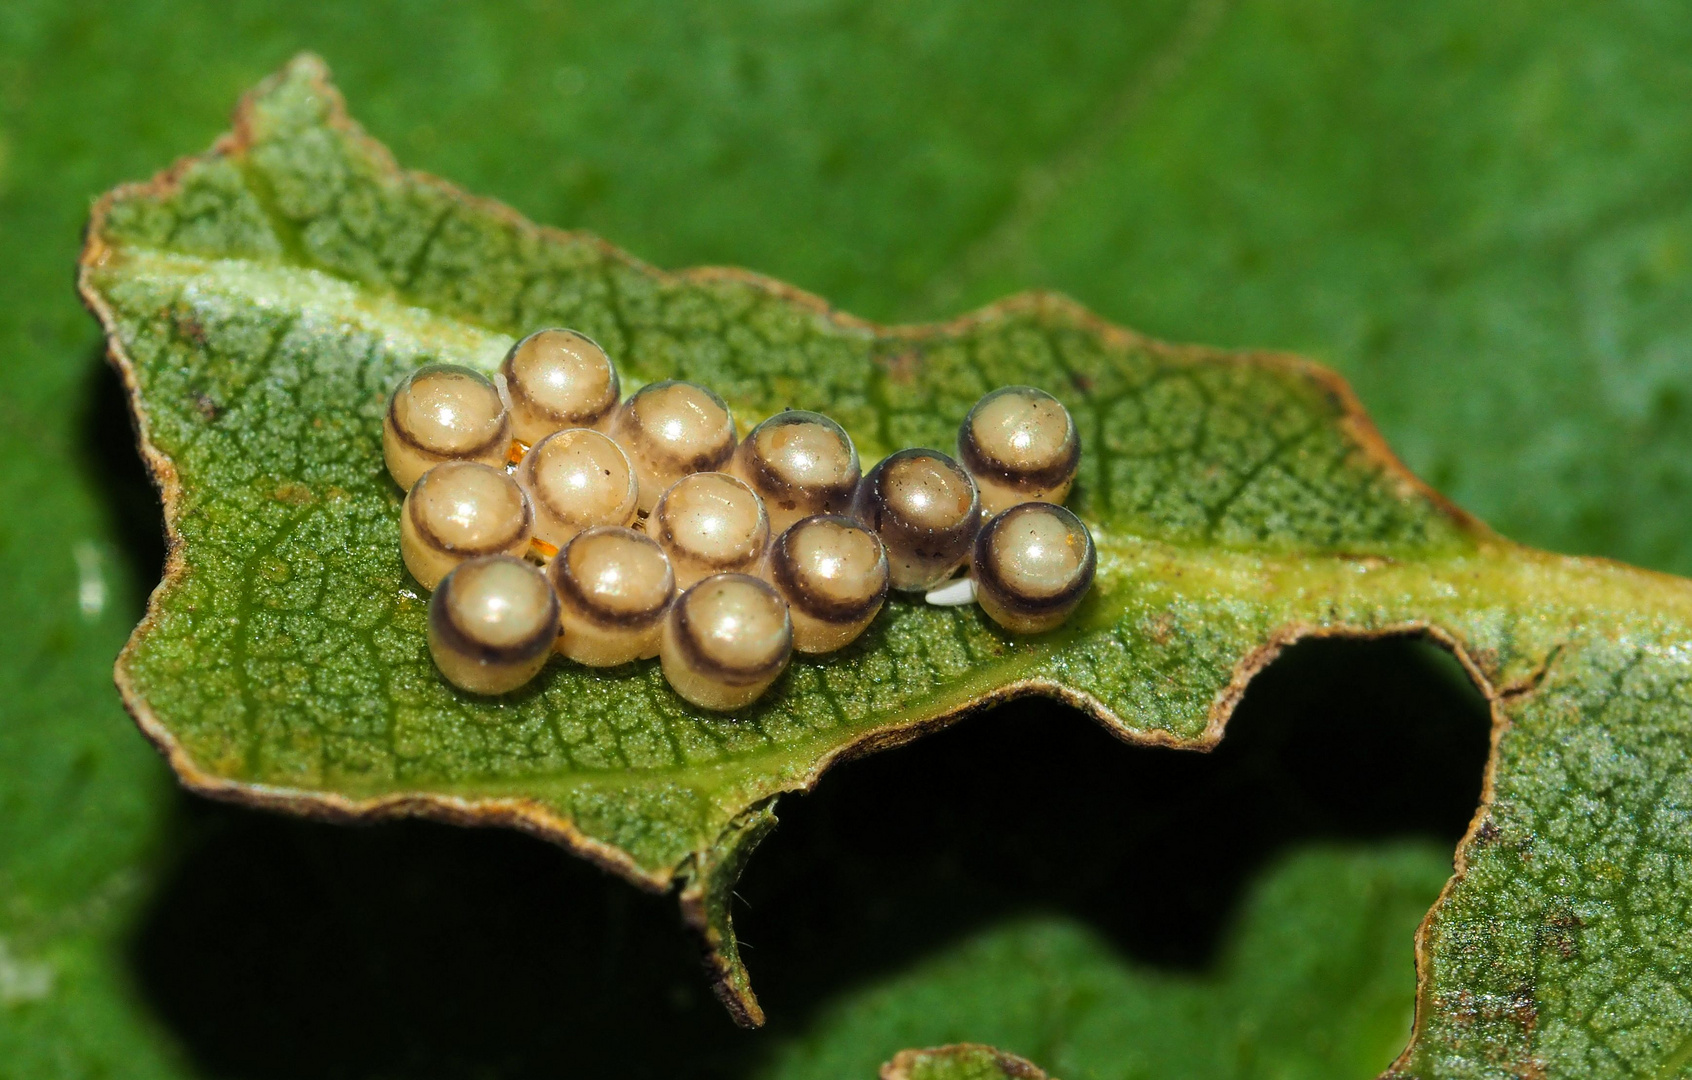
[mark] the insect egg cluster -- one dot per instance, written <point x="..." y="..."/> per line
<point x="549" y="514"/>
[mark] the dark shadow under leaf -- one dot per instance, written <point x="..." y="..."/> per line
<point x="282" y="948"/>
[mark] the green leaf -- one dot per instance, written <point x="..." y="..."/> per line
<point x="960" y="1061"/>
<point x="1306" y="988"/>
<point x="262" y="298"/>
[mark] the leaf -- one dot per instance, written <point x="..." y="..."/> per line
<point x="1307" y="987"/>
<point x="959" y="1061"/>
<point x="1412" y="196"/>
<point x="262" y="298"/>
<point x="1403" y="192"/>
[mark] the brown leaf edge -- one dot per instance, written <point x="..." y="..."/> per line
<point x="904" y="1063"/>
<point x="706" y="877"/>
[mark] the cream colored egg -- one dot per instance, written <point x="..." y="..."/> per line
<point x="1032" y="565"/>
<point x="832" y="571"/>
<point x="443" y="412"/>
<point x="710" y="523"/>
<point x="557" y="379"/>
<point x="614" y="586"/>
<point x="461" y="510"/>
<point x="1021" y="446"/>
<point x="925" y="509"/>
<point x="801" y="464"/>
<point x="493" y="622"/>
<point x="577" y="479"/>
<point x="671" y="429"/>
<point x="725" y="641"/>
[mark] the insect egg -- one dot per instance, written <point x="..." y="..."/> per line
<point x="461" y="510"/>
<point x="558" y="379"/>
<point x="709" y="523"/>
<point x="1021" y="446"/>
<point x="576" y="479"/>
<point x="833" y="574"/>
<point x="670" y="429"/>
<point x="441" y="412"/>
<point x="613" y="586"/>
<point x="725" y="641"/>
<point x="1032" y="565"/>
<point x="492" y="624"/>
<point x="926" y="511"/>
<point x="801" y="463"/>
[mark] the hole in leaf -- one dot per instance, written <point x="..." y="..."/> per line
<point x="1032" y="808"/>
<point x="282" y="948"/>
<point x="108" y="457"/>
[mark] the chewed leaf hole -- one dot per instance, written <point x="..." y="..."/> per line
<point x="1032" y="808"/>
<point x="107" y="455"/>
<point x="283" y="948"/>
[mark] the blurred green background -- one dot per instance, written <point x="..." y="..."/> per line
<point x="1480" y="213"/>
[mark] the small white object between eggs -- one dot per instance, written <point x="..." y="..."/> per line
<point x="953" y="593"/>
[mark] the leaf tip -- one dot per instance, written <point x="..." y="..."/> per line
<point x="707" y="899"/>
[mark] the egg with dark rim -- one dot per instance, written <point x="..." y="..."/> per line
<point x="614" y="586"/>
<point x="725" y="641"/>
<point x="801" y="464"/>
<point x="557" y="379"/>
<point x="493" y="623"/>
<point x="670" y="429"/>
<point x="443" y="412"/>
<point x="925" y="509"/>
<point x="832" y="571"/>
<point x="1032" y="565"/>
<point x="577" y="479"/>
<point x="1020" y="444"/>
<point x="461" y="510"/>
